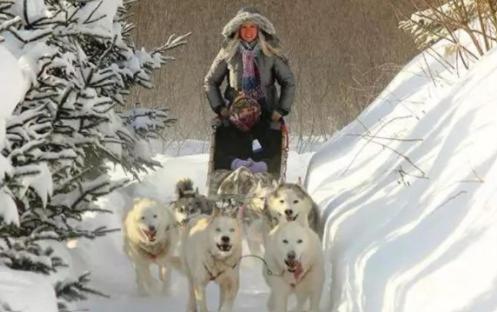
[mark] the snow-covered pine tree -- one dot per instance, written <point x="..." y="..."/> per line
<point x="82" y="63"/>
<point x="148" y="128"/>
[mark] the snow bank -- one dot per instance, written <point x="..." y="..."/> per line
<point x="409" y="195"/>
<point x="26" y="292"/>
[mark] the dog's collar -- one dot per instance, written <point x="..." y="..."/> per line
<point x="212" y="277"/>
<point x="154" y="254"/>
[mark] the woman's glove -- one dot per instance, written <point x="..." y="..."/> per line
<point x="276" y="116"/>
<point x="224" y="112"/>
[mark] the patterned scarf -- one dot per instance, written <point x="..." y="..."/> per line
<point x="251" y="81"/>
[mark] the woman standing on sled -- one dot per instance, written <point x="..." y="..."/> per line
<point x="251" y="62"/>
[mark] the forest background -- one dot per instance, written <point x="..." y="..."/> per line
<point x="343" y="53"/>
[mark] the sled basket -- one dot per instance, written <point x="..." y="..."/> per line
<point x="277" y="167"/>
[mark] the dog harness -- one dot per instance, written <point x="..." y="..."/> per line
<point x="152" y="253"/>
<point x="213" y="277"/>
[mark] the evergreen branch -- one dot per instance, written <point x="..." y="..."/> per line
<point x="25" y="13"/>
<point x="172" y="42"/>
<point x="40" y="36"/>
<point x="96" y="19"/>
<point x="6" y="25"/>
<point x="93" y="12"/>
<point x="88" y="192"/>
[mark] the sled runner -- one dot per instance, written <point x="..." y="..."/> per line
<point x="215" y="176"/>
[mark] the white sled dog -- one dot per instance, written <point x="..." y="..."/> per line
<point x="295" y="260"/>
<point x="211" y="251"/>
<point x="290" y="202"/>
<point x="189" y="202"/>
<point x="150" y="237"/>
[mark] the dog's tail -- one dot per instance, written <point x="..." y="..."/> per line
<point x="184" y="188"/>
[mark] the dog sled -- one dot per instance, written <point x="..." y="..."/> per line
<point x="277" y="165"/>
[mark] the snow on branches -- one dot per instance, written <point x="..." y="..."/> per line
<point x="81" y="62"/>
<point x="447" y="19"/>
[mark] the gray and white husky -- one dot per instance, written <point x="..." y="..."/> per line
<point x="290" y="202"/>
<point x="189" y="202"/>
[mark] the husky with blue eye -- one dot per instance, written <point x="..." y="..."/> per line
<point x="150" y="238"/>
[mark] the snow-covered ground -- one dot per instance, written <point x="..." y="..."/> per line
<point x="112" y="272"/>
<point x="409" y="195"/>
<point x="16" y="287"/>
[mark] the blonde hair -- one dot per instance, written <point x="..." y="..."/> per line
<point x="268" y="49"/>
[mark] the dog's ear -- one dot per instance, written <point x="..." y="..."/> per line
<point x="216" y="211"/>
<point x="265" y="207"/>
<point x="275" y="184"/>
<point x="240" y="213"/>
<point x="258" y="186"/>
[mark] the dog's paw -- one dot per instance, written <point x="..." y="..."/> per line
<point x="142" y="292"/>
<point x="152" y="288"/>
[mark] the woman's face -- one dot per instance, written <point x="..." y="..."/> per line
<point x="249" y="31"/>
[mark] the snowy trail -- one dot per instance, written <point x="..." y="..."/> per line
<point x="112" y="272"/>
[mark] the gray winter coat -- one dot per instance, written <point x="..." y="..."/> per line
<point x="271" y="69"/>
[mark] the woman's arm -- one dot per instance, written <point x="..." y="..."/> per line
<point x="286" y="80"/>
<point x="213" y="81"/>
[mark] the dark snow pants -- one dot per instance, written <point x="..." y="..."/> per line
<point x="233" y="143"/>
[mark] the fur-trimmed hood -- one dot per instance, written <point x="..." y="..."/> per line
<point x="245" y="15"/>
